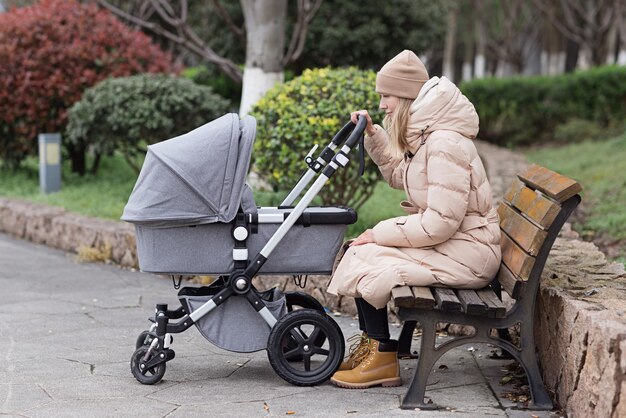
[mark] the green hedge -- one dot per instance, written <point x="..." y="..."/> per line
<point x="128" y="113"/>
<point x="310" y="109"/>
<point x="526" y="110"/>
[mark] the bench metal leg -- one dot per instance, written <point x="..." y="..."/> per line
<point x="414" y="397"/>
<point x="405" y="340"/>
<point x="540" y="397"/>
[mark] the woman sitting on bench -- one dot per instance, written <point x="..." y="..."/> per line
<point x="450" y="235"/>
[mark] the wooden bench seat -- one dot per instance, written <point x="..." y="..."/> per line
<point x="532" y="213"/>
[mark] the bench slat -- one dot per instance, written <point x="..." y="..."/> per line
<point x="550" y="183"/>
<point x="470" y="301"/>
<point x="511" y="284"/>
<point x="515" y="258"/>
<point x="496" y="308"/>
<point x="402" y="296"/>
<point x="423" y="297"/>
<point x="525" y="233"/>
<point x="537" y="207"/>
<point x="447" y="300"/>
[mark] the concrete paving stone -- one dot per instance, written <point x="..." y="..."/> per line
<point x="49" y="369"/>
<point x="243" y="389"/>
<point x="464" y="398"/>
<point x="15" y="397"/>
<point x="182" y="368"/>
<point x="45" y="306"/>
<point x="519" y="413"/>
<point x="29" y="325"/>
<point x="102" y="387"/>
<point x="101" y="408"/>
<point x="302" y="403"/>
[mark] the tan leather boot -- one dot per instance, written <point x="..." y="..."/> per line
<point x="380" y="367"/>
<point x="359" y="350"/>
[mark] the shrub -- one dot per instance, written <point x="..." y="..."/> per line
<point x="525" y="110"/>
<point x="50" y="53"/>
<point x="209" y="76"/>
<point x="310" y="109"/>
<point x="130" y="112"/>
<point x="580" y="129"/>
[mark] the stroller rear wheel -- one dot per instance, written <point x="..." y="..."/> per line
<point x="294" y="352"/>
<point x="145" y="376"/>
<point x="298" y="300"/>
<point x="301" y="300"/>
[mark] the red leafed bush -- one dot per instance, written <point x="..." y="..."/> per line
<point x="49" y="54"/>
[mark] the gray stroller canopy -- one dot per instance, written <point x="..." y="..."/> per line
<point x="195" y="178"/>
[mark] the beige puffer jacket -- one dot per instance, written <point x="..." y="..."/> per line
<point x="450" y="235"/>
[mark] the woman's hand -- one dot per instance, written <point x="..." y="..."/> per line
<point x="369" y="128"/>
<point x="365" y="238"/>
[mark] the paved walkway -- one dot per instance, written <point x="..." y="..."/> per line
<point x="67" y="331"/>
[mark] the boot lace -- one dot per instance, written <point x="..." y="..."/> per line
<point x="371" y="351"/>
<point x="359" y="349"/>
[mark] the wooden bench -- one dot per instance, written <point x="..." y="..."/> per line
<point x="531" y="216"/>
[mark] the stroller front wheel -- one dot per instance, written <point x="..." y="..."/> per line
<point x="305" y="347"/>
<point x="143" y="375"/>
<point x="144" y="338"/>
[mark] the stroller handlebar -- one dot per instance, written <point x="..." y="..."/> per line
<point x="357" y="133"/>
<point x="350" y="131"/>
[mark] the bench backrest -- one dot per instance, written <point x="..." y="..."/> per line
<point x="532" y="213"/>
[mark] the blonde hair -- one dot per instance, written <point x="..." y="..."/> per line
<point x="396" y="126"/>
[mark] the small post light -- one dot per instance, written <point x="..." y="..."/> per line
<point x="50" y="162"/>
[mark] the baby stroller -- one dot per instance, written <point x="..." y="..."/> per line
<point x="194" y="214"/>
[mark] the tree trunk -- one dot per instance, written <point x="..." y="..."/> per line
<point x="265" y="47"/>
<point x="77" y="156"/>
<point x="503" y="69"/>
<point x="532" y="58"/>
<point x="448" y="51"/>
<point x="481" y="42"/>
<point x="466" y="70"/>
<point x="621" y="30"/>
<point x="611" y="44"/>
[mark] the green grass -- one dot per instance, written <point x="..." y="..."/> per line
<point x="103" y="195"/>
<point x="384" y="203"/>
<point x="600" y="166"/>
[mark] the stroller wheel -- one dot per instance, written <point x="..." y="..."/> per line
<point x="143" y="338"/>
<point x="149" y="376"/>
<point x="293" y="348"/>
<point x="301" y="300"/>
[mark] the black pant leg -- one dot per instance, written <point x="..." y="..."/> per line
<point x="359" y="310"/>
<point x="375" y="320"/>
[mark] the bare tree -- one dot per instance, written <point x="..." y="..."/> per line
<point x="480" y="61"/>
<point x="265" y="26"/>
<point x="621" y="31"/>
<point x="512" y="33"/>
<point x="586" y="22"/>
<point x="449" y="47"/>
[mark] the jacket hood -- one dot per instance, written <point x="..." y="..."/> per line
<point x="440" y="105"/>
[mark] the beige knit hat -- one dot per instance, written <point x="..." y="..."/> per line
<point x="403" y="76"/>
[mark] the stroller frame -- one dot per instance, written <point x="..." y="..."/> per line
<point x="153" y="346"/>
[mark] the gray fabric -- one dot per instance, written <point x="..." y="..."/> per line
<point x="247" y="200"/>
<point x="196" y="178"/>
<point x="235" y="325"/>
<point x="207" y="249"/>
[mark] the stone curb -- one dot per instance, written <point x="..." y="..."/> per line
<point x="53" y="226"/>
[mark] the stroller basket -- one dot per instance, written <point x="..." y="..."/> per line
<point x="235" y="326"/>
